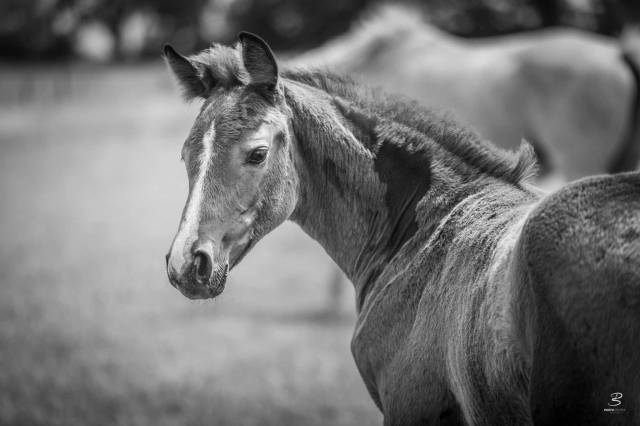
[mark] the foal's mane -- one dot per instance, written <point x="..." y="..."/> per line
<point x="463" y="143"/>
<point x="223" y="65"/>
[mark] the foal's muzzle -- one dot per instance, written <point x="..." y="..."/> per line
<point x="199" y="276"/>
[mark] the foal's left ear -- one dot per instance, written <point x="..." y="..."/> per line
<point x="258" y="60"/>
<point x="191" y="80"/>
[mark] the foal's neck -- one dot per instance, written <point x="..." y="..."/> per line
<point x="363" y="199"/>
<point x="339" y="190"/>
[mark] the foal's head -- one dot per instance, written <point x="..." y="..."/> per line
<point x="241" y="178"/>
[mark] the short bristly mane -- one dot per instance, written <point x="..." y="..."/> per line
<point x="515" y="168"/>
<point x="222" y="65"/>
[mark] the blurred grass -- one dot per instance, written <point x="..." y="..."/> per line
<point x="91" y="332"/>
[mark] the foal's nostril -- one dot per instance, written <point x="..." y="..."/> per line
<point x="203" y="266"/>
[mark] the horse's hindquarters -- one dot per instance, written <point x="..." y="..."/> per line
<point x="582" y="248"/>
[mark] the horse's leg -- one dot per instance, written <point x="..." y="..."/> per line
<point x="441" y="416"/>
<point x="504" y="400"/>
<point x="446" y="418"/>
<point x="503" y="407"/>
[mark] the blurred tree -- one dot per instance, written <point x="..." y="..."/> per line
<point x="549" y="12"/>
<point x="602" y="16"/>
<point x="296" y="24"/>
<point x="41" y="29"/>
<point x="30" y="29"/>
<point x="112" y="14"/>
<point x="616" y="14"/>
<point x="480" y="18"/>
<point x="179" y="21"/>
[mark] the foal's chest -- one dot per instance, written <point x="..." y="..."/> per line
<point x="400" y="364"/>
<point x="406" y="382"/>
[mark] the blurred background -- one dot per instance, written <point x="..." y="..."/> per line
<point x="91" y="189"/>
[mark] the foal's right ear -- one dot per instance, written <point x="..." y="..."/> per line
<point x="185" y="72"/>
<point x="258" y="60"/>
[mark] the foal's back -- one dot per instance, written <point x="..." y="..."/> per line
<point x="582" y="248"/>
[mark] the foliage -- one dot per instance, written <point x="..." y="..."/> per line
<point x="40" y="29"/>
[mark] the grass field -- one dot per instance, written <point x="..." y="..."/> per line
<point x="91" y="332"/>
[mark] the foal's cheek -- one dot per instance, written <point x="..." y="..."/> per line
<point x="249" y="185"/>
<point x="281" y="191"/>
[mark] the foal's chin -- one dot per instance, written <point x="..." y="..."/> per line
<point x="194" y="290"/>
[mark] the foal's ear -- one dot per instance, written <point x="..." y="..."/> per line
<point x="186" y="73"/>
<point x="258" y="60"/>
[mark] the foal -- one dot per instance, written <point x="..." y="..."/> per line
<point x="479" y="301"/>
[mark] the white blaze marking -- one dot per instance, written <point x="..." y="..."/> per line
<point x="192" y="214"/>
<point x="188" y="231"/>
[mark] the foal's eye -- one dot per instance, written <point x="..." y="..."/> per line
<point x="257" y="156"/>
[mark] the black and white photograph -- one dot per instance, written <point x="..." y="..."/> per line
<point x="319" y="213"/>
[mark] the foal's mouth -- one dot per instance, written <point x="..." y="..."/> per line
<point x="195" y="282"/>
<point x="194" y="289"/>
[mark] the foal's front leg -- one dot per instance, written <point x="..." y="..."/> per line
<point x="442" y="416"/>
<point x="416" y="395"/>
<point x="504" y="404"/>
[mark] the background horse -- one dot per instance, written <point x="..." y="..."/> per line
<point x="571" y="93"/>
<point x="479" y="301"/>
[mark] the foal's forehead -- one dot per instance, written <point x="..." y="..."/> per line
<point x="232" y="114"/>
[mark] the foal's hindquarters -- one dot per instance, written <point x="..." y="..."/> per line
<point x="581" y="248"/>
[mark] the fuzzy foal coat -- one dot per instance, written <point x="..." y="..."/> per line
<point x="480" y="301"/>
